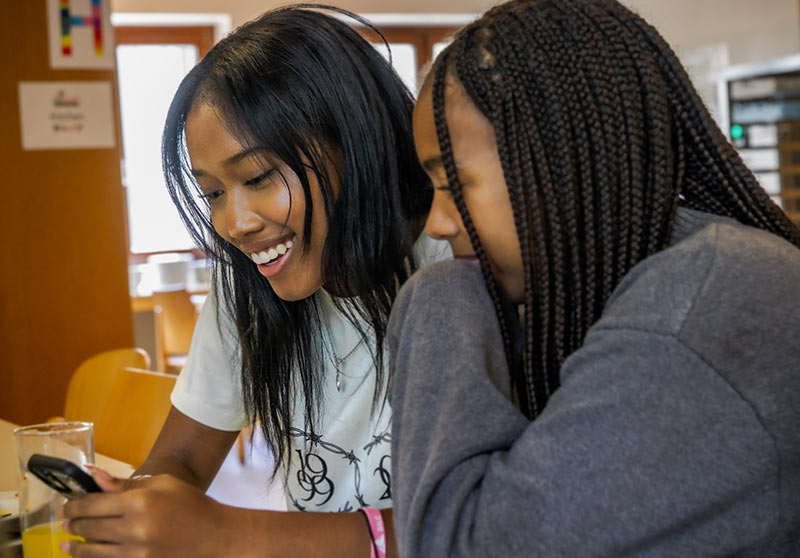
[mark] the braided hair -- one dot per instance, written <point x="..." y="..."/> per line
<point x="601" y="137"/>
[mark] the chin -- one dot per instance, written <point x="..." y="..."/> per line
<point x="295" y="292"/>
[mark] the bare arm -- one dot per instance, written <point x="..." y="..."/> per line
<point x="312" y="534"/>
<point x="164" y="516"/>
<point x="188" y="450"/>
<point x="169" y="514"/>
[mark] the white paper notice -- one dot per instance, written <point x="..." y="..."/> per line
<point x="80" y="34"/>
<point x="66" y="114"/>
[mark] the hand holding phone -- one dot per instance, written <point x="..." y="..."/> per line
<point x="62" y="475"/>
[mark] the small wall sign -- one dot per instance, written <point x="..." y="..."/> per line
<point x="66" y="114"/>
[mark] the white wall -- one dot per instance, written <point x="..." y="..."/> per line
<point x="708" y="35"/>
<point x="751" y="30"/>
<point x="244" y="10"/>
<point x="749" y="27"/>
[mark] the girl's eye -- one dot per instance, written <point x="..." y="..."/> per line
<point x="257" y="179"/>
<point x="211" y="196"/>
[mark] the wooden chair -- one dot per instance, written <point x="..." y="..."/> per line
<point x="175" y="316"/>
<point x="136" y="406"/>
<point x="92" y="380"/>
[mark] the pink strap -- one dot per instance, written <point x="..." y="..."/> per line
<point x="377" y="531"/>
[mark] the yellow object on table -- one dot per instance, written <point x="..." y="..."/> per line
<point x="41" y="541"/>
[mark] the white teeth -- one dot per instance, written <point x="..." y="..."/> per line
<point x="271" y="254"/>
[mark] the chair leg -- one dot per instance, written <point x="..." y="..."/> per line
<point x="244" y="437"/>
<point x="240" y="447"/>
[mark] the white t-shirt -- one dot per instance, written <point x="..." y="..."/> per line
<point x="347" y="464"/>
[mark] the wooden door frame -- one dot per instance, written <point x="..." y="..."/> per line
<point x="421" y="37"/>
<point x="201" y="36"/>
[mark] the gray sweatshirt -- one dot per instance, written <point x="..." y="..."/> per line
<point x="675" y="432"/>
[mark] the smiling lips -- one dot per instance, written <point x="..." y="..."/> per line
<point x="275" y="252"/>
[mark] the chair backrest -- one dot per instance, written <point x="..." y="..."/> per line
<point x="135" y="408"/>
<point x="175" y="320"/>
<point x="93" y="378"/>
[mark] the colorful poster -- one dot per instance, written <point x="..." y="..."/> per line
<point x="66" y="114"/>
<point x="80" y="34"/>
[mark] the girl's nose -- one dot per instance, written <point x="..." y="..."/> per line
<point x="444" y="221"/>
<point x="241" y="217"/>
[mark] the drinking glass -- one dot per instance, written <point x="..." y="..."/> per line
<point x="42" y="508"/>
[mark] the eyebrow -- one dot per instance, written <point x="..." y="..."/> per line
<point x="436" y="162"/>
<point x="233" y="160"/>
<point x="433" y="163"/>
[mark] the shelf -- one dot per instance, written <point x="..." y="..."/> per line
<point x="775" y="98"/>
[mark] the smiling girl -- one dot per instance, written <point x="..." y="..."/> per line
<point x="289" y="155"/>
<point x="648" y="404"/>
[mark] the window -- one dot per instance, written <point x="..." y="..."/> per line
<point x="412" y="48"/>
<point x="151" y="62"/>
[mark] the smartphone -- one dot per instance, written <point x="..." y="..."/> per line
<point x="62" y="475"/>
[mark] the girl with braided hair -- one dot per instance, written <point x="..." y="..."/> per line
<point x="611" y="365"/>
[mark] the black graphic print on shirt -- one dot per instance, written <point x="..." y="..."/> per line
<point x="315" y="483"/>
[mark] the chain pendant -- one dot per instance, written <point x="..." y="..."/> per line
<point x="338" y="365"/>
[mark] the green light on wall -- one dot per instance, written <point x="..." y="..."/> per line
<point x="737" y="131"/>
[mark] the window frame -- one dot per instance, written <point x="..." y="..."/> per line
<point x="199" y="36"/>
<point x="421" y="37"/>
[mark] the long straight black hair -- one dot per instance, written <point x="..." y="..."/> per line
<point x="601" y="137"/>
<point x="305" y="86"/>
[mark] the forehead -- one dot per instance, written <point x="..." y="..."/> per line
<point x="471" y="134"/>
<point x="207" y="136"/>
<point x="424" y="125"/>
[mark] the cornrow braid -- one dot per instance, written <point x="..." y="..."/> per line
<point x="525" y="383"/>
<point x="601" y="136"/>
<point x="443" y="136"/>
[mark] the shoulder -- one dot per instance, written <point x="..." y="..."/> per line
<point x="446" y="296"/>
<point x="746" y="314"/>
<point x="728" y="295"/>
<point x="443" y="282"/>
<point x="214" y="322"/>
<point x="720" y="270"/>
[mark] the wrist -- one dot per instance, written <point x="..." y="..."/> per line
<point x="238" y="532"/>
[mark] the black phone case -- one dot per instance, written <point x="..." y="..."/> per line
<point x="62" y="475"/>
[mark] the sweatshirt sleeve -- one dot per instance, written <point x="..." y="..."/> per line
<point x="644" y="450"/>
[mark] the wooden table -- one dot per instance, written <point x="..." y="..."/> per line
<point x="8" y="460"/>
